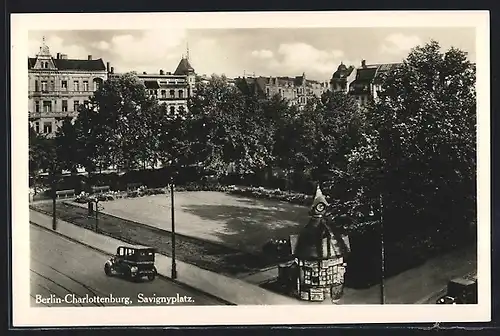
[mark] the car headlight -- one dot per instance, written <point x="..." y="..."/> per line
<point x="133" y="269"/>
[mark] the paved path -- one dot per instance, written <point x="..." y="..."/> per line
<point x="228" y="289"/>
<point x="61" y="269"/>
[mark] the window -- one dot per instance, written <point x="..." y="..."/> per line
<point x="36" y="86"/>
<point x="64" y="84"/>
<point x="76" y="103"/>
<point x="181" y="93"/>
<point x="47" y="127"/>
<point x="182" y="110"/>
<point x="37" y="106"/>
<point x="163" y="94"/>
<point x="44" y="86"/>
<point x="172" y="93"/>
<point x="37" y="127"/>
<point x="76" y="86"/>
<point x="65" y="106"/>
<point x="172" y="109"/>
<point x="85" y="85"/>
<point x="267" y="90"/>
<point x="47" y="106"/>
<point x="52" y="85"/>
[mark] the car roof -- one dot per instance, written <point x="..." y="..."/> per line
<point x="463" y="281"/>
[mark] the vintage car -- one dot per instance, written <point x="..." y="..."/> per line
<point x="132" y="262"/>
<point x="460" y="291"/>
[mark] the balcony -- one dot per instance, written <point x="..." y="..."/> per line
<point x="52" y="114"/>
<point x="172" y="99"/>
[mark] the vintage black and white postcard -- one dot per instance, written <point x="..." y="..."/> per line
<point x="250" y="168"/>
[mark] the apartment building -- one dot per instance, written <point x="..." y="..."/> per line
<point x="58" y="85"/>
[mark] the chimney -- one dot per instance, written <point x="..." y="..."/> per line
<point x="363" y="64"/>
<point x="90" y="57"/>
<point x="58" y="56"/>
<point x="64" y="56"/>
<point x="108" y="67"/>
<point x="162" y="72"/>
<point x="112" y="70"/>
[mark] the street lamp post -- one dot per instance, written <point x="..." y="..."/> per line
<point x="96" y="215"/>
<point x="54" y="196"/>
<point x="382" y="253"/>
<point x="174" y="266"/>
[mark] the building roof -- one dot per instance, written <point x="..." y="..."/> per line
<point x="74" y="64"/>
<point x="342" y="72"/>
<point x="151" y="84"/>
<point x="309" y="243"/>
<point x="184" y="67"/>
<point x="370" y="74"/>
<point x="252" y="85"/>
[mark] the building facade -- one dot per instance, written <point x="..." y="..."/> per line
<point x="57" y="86"/>
<point x="172" y="89"/>
<point x="363" y="83"/>
<point x="296" y="90"/>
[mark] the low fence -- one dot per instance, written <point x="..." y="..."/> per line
<point x="70" y="193"/>
<point x="100" y="189"/>
<point x="133" y="186"/>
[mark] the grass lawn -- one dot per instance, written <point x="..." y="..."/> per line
<point x="235" y="221"/>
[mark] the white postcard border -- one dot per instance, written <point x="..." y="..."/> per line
<point x="24" y="315"/>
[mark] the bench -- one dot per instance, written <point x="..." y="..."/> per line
<point x="65" y="193"/>
<point x="133" y="186"/>
<point x="100" y="189"/>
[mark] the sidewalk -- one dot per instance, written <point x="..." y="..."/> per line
<point x="420" y="285"/>
<point x="228" y="289"/>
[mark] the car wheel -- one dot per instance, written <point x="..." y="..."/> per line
<point x="107" y="270"/>
<point x="151" y="277"/>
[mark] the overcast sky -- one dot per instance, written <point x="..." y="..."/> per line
<point x="265" y="52"/>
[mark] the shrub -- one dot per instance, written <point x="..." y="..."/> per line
<point x="274" y="194"/>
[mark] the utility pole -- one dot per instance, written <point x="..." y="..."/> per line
<point x="174" y="266"/>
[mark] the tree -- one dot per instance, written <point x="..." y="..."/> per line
<point x="67" y="147"/>
<point x="339" y="120"/>
<point x="115" y="127"/>
<point x="215" y="116"/>
<point x="175" y="144"/>
<point x="419" y="144"/>
<point x="36" y="156"/>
